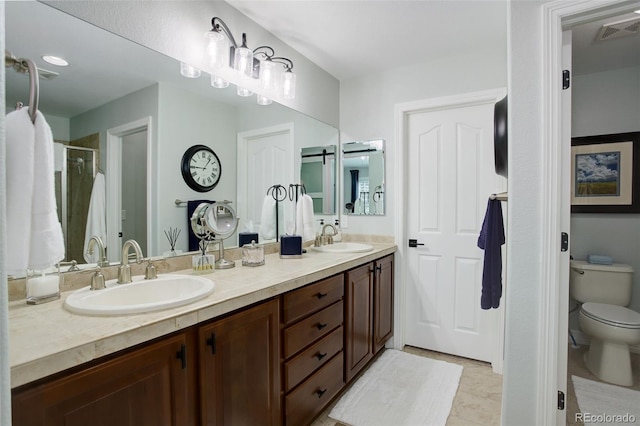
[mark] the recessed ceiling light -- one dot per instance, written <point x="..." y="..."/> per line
<point x="637" y="11"/>
<point x="55" y="60"/>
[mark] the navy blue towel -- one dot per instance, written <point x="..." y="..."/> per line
<point x="490" y="240"/>
<point x="193" y="240"/>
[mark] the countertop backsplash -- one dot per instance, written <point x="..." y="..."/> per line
<point x="75" y="280"/>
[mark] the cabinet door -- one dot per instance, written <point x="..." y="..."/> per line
<point x="358" y="319"/>
<point x="240" y="368"/>
<point x="148" y="386"/>
<point x="382" y="302"/>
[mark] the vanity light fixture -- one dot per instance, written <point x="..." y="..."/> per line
<point x="55" y="60"/>
<point x="261" y="64"/>
<point x="189" y="71"/>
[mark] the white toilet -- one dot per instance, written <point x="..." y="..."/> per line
<point x="605" y="290"/>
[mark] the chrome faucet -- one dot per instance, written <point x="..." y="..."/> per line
<point x="101" y="251"/>
<point x="124" y="271"/>
<point x="328" y="239"/>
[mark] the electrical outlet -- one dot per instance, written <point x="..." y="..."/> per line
<point x="124" y="214"/>
<point x="344" y="221"/>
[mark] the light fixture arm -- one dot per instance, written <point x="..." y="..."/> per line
<point x="218" y="25"/>
<point x="266" y="51"/>
<point x="288" y="64"/>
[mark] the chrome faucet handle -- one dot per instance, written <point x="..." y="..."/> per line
<point x="150" y="272"/>
<point x="73" y="265"/>
<point x="97" y="281"/>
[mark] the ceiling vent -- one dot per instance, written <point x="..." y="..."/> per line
<point x="46" y="74"/>
<point x="619" y="29"/>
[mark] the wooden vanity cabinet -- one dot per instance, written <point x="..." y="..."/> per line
<point x="312" y="348"/>
<point x="144" y="387"/>
<point x="368" y="312"/>
<point x="358" y="319"/>
<point x="240" y="368"/>
<point x="382" y="302"/>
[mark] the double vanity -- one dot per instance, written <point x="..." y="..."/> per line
<point x="268" y="345"/>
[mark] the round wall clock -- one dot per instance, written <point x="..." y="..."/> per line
<point x="201" y="168"/>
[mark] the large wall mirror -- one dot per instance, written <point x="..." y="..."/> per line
<point x="124" y="110"/>
<point x="363" y="177"/>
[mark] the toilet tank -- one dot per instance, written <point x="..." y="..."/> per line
<point x="610" y="284"/>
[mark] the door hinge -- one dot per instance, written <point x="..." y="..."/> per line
<point x="560" y="400"/>
<point x="566" y="79"/>
<point x="564" y="241"/>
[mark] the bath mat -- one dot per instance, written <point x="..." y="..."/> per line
<point x="400" y="389"/>
<point x="605" y="404"/>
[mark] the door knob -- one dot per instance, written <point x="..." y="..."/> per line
<point x="414" y="243"/>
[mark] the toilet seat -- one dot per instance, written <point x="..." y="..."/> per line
<point x="617" y="316"/>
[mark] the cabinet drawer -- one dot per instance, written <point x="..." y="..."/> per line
<point x="313" y="395"/>
<point x="307" y="331"/>
<point x="302" y="365"/>
<point x="309" y="299"/>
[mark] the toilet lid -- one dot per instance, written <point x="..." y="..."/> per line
<point x="611" y="314"/>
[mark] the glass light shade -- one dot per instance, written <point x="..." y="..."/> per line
<point x="218" y="82"/>
<point x="268" y="76"/>
<point x="217" y="50"/>
<point x="288" y="85"/>
<point x="263" y="100"/>
<point x="243" y="62"/>
<point x="244" y="92"/>
<point x="189" y="71"/>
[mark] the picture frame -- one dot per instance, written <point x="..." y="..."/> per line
<point x="605" y="173"/>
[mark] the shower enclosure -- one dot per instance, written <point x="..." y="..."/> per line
<point x="74" y="174"/>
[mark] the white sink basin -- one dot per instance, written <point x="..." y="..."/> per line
<point x="139" y="296"/>
<point x="344" y="248"/>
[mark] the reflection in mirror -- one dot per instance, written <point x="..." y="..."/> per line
<point x="98" y="101"/>
<point x="318" y="175"/>
<point x="363" y="177"/>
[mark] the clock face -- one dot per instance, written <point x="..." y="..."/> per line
<point x="201" y="168"/>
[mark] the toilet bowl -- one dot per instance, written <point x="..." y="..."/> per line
<point x="605" y="291"/>
<point x="612" y="329"/>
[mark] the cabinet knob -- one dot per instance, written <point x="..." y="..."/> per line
<point x="320" y="392"/>
<point x="320" y="355"/>
<point x="321" y="295"/>
<point x="321" y="326"/>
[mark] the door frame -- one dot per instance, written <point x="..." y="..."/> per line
<point x="402" y="111"/>
<point x="558" y="15"/>
<point x="114" y="184"/>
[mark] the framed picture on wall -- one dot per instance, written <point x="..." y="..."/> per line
<point x="605" y="173"/>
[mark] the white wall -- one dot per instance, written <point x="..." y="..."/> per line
<point x="176" y="28"/>
<point x="524" y="241"/>
<point x="216" y="127"/>
<point x="605" y="103"/>
<point x="367" y="110"/>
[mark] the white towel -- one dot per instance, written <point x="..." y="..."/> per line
<point x="58" y="156"/>
<point x="96" y="218"/>
<point x="268" y="219"/>
<point x="305" y="221"/>
<point x="34" y="234"/>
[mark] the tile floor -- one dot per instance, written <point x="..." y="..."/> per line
<point x="576" y="367"/>
<point x="477" y="402"/>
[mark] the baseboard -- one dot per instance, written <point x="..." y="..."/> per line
<point x="583" y="340"/>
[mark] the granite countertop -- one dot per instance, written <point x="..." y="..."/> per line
<point x="46" y="339"/>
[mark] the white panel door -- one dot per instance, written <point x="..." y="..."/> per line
<point x="265" y="158"/>
<point x="451" y="175"/>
